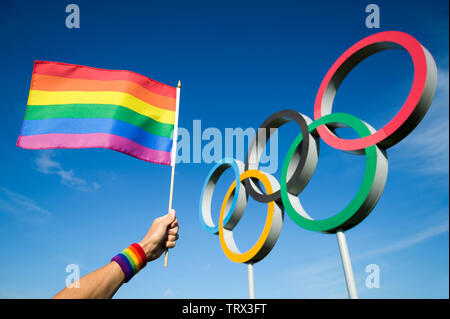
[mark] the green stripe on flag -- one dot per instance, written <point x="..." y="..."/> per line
<point x="111" y="111"/>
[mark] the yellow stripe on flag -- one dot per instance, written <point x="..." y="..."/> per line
<point x="105" y="97"/>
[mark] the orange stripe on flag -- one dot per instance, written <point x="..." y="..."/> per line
<point x="44" y="82"/>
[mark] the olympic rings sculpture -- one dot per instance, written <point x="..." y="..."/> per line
<point x="303" y="154"/>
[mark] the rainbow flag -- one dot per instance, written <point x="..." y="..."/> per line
<point x="73" y="106"/>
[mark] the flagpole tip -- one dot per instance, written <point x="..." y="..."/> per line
<point x="179" y="84"/>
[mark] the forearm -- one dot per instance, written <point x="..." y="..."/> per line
<point x="100" y="284"/>
<point x="104" y="282"/>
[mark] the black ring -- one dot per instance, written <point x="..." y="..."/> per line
<point x="275" y="121"/>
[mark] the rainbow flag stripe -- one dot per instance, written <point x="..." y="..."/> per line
<point x="73" y="106"/>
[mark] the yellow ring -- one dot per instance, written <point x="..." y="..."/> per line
<point x="252" y="252"/>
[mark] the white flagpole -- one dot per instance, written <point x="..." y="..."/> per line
<point x="251" y="282"/>
<point x="173" y="154"/>
<point x="347" y="265"/>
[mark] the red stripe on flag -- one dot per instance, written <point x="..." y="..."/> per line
<point x="89" y="73"/>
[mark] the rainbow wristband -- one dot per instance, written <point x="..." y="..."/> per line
<point x="131" y="260"/>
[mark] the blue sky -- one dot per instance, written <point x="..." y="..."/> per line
<point x="239" y="62"/>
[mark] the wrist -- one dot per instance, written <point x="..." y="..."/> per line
<point x="131" y="260"/>
<point x="149" y="249"/>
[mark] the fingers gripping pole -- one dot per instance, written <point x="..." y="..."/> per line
<point x="347" y="265"/>
<point x="173" y="157"/>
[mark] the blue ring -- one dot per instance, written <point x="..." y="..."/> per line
<point x="228" y="162"/>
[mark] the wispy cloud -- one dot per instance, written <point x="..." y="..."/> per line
<point x="407" y="242"/>
<point x="322" y="279"/>
<point x="45" y="163"/>
<point x="21" y="206"/>
<point x="427" y="147"/>
<point x="5" y="294"/>
<point x="326" y="275"/>
<point x="206" y="267"/>
<point x="168" y="293"/>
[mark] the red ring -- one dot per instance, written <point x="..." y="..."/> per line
<point x="388" y="135"/>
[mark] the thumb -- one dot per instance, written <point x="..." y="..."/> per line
<point x="170" y="217"/>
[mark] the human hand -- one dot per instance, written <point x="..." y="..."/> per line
<point x="161" y="236"/>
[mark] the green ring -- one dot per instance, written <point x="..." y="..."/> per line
<point x="347" y="218"/>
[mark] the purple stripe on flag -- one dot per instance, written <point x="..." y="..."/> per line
<point x="94" y="140"/>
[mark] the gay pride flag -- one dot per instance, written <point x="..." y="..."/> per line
<point x="73" y="106"/>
